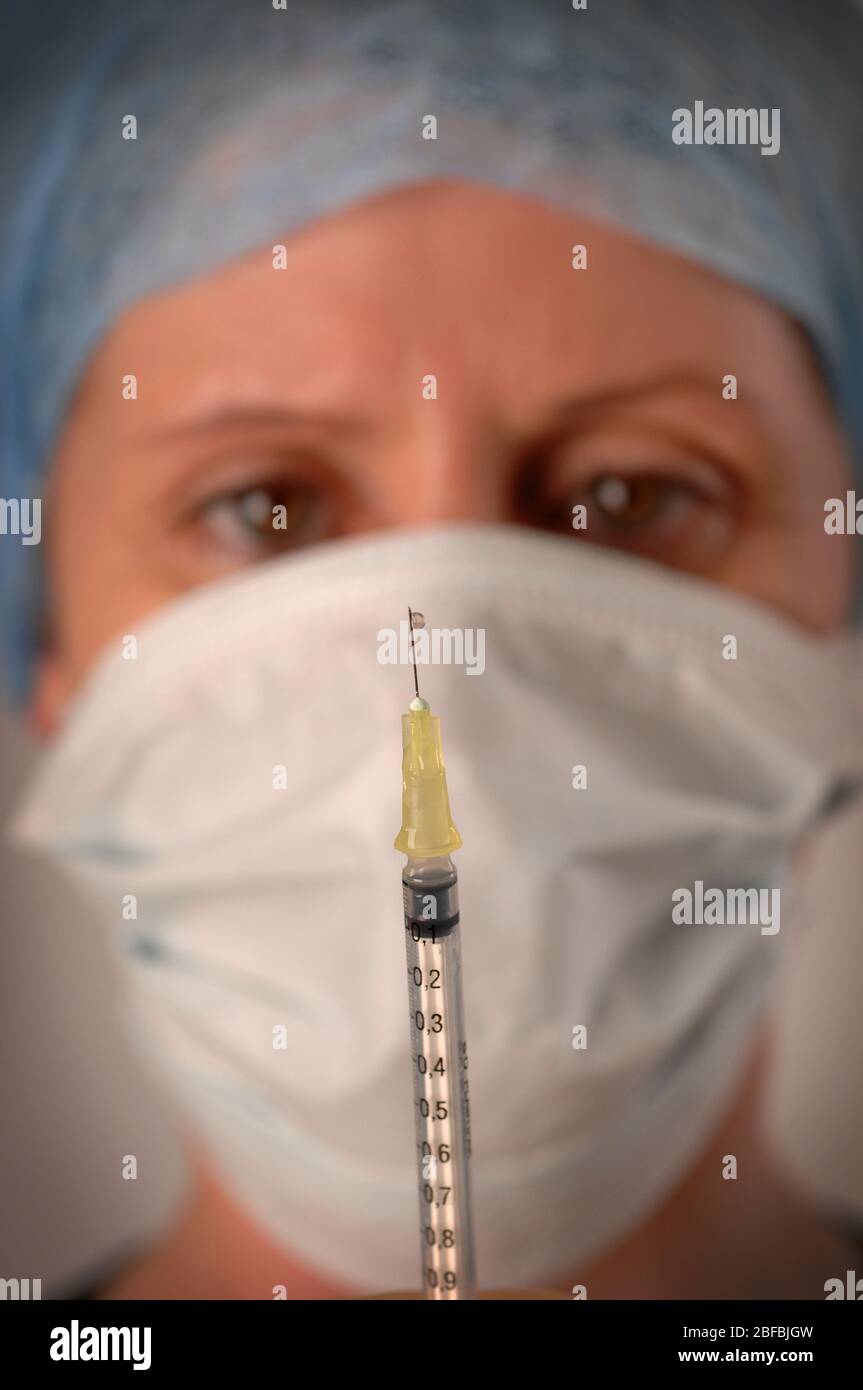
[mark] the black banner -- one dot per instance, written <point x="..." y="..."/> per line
<point x="236" y="1339"/>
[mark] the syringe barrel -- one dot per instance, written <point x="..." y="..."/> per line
<point x="440" y="1070"/>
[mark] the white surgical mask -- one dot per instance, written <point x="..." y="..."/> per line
<point x="264" y="907"/>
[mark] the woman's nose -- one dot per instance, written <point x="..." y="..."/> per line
<point x="441" y="475"/>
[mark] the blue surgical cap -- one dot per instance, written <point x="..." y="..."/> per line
<point x="254" y="117"/>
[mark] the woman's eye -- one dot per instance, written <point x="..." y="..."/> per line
<point x="631" y="502"/>
<point x="263" y="518"/>
<point x="667" y="518"/>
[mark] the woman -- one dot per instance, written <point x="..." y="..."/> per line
<point x="282" y="283"/>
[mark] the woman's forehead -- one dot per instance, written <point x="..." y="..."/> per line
<point x="473" y="277"/>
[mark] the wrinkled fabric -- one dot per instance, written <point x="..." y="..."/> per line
<point x="253" y="120"/>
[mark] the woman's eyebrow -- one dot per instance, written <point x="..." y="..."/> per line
<point x="629" y="393"/>
<point x="232" y="419"/>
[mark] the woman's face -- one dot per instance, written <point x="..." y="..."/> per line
<point x="307" y="389"/>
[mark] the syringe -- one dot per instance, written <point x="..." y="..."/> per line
<point x="438" y="1047"/>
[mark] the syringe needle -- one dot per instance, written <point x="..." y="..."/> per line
<point x="415" y="620"/>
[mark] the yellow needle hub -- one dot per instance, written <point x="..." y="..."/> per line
<point x="427" y="829"/>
